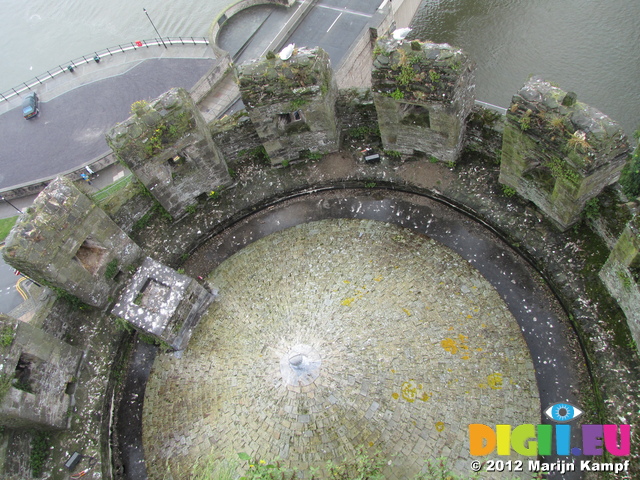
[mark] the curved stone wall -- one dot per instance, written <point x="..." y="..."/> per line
<point x="407" y="344"/>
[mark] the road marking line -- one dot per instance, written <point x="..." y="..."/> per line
<point x="334" y="22"/>
<point x="22" y="293"/>
<point x="284" y="26"/>
<point x="344" y="10"/>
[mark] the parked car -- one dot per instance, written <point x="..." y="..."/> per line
<point x="30" y="105"/>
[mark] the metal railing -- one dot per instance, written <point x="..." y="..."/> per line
<point x="96" y="57"/>
<point x="490" y="106"/>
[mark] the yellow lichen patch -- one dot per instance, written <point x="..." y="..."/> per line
<point x="405" y="310"/>
<point x="425" y="396"/>
<point x="465" y="357"/>
<point x="450" y="345"/>
<point x="370" y="444"/>
<point x="439" y="426"/>
<point x="454" y="346"/>
<point x="347" y="281"/>
<point x="395" y="396"/>
<point x="378" y="279"/>
<point x="495" y="381"/>
<point x="409" y="391"/>
<point x="359" y="293"/>
<point x="348" y="301"/>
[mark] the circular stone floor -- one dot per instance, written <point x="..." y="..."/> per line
<point x="411" y="345"/>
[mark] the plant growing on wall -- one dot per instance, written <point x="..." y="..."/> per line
<point x="630" y="178"/>
<point x="578" y="141"/>
<point x="525" y="121"/>
<point x="298" y="102"/>
<point x="557" y="123"/>
<point x="397" y="94"/>
<point x="7" y="335"/>
<point x="40" y="444"/>
<point x="407" y="75"/>
<point x="560" y="169"/>
<point x="5" y="385"/>
<point x="139" y="107"/>
<point x="112" y="269"/>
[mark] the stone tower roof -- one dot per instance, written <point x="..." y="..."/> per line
<point x="308" y="71"/>
<point x="586" y="137"/>
<point x="418" y="71"/>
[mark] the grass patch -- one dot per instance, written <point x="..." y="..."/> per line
<point x="6" y="224"/>
<point x="103" y="195"/>
<point x="39" y="452"/>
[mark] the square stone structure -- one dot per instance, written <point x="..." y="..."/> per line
<point x="423" y="93"/>
<point x="292" y="104"/>
<point x="621" y="275"/>
<point x="558" y="152"/>
<point x="167" y="145"/>
<point x="65" y="240"/>
<point x="163" y="303"/>
<point x="44" y="368"/>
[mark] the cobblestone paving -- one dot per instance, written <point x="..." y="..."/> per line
<point x="415" y="345"/>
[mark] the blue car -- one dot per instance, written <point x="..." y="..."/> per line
<point x="30" y="106"/>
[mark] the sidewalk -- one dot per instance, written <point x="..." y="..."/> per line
<point x="102" y="179"/>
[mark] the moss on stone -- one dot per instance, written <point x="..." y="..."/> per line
<point x="418" y="71"/>
<point x="303" y="75"/>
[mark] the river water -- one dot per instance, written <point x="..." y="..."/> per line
<point x="589" y="46"/>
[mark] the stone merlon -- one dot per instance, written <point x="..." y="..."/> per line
<point x="307" y="72"/>
<point x="66" y="241"/>
<point x="166" y="143"/>
<point x="420" y="71"/>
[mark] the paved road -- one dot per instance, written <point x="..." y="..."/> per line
<point x="330" y="24"/>
<point x="70" y="128"/>
<point x="9" y="297"/>
<point x="334" y="26"/>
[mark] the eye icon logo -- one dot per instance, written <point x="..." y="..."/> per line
<point x="563" y="412"/>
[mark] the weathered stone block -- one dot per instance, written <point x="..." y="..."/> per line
<point x="163" y="303"/>
<point x="235" y="135"/>
<point x="37" y="372"/>
<point x="621" y="275"/>
<point x="423" y="93"/>
<point x="66" y="241"/>
<point x="169" y="147"/>
<point x="559" y="153"/>
<point x="292" y="104"/>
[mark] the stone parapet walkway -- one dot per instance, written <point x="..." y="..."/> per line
<point x="414" y="345"/>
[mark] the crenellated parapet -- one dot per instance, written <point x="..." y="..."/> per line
<point x="64" y="240"/>
<point x="558" y="152"/>
<point x="621" y="275"/>
<point x="423" y="94"/>
<point x="163" y="303"/>
<point x="37" y="373"/>
<point x="166" y="143"/>
<point x="292" y="103"/>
